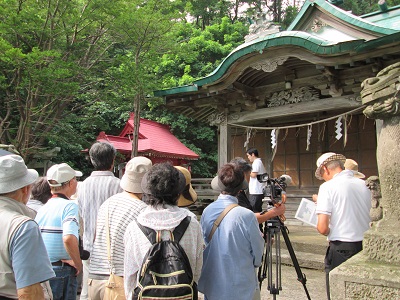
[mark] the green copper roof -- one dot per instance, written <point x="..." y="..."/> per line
<point x="313" y="43"/>
<point x="339" y="13"/>
<point x="294" y="38"/>
<point x="389" y="18"/>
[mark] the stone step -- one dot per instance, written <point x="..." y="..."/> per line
<point x="305" y="260"/>
<point x="308" y="245"/>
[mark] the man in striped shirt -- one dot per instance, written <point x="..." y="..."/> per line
<point x="92" y="192"/>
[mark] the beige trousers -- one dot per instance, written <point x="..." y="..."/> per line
<point x="48" y="294"/>
<point x="96" y="289"/>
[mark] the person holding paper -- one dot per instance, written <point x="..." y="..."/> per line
<point x="343" y="208"/>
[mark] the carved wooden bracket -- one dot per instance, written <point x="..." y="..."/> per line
<point x="269" y="65"/>
<point x="302" y="94"/>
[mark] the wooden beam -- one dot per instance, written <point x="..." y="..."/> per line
<point x="343" y="102"/>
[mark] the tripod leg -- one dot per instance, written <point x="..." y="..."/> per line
<point x="300" y="276"/>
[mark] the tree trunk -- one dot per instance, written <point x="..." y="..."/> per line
<point x="136" y="124"/>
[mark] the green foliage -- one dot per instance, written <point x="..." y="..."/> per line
<point x="200" y="138"/>
<point x="200" y="51"/>
<point x="60" y="58"/>
<point x="289" y="15"/>
<point x="361" y="7"/>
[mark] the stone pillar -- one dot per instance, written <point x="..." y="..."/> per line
<point x="375" y="272"/>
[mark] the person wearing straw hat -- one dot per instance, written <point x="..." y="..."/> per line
<point x="162" y="186"/>
<point x="114" y="216"/>
<point x="352" y="165"/>
<point x="234" y="248"/>
<point x="58" y="221"/>
<point x="188" y="195"/>
<point x="21" y="269"/>
<point x="343" y="208"/>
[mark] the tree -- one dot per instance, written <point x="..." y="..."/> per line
<point x="199" y="51"/>
<point x="145" y="28"/>
<point x="51" y="55"/>
<point x="59" y="57"/>
<point x="361" y="7"/>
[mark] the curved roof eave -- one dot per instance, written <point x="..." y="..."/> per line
<point x="305" y="40"/>
<point x="341" y="14"/>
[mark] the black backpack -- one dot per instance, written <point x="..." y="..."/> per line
<point x="166" y="271"/>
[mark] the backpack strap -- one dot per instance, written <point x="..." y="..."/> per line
<point x="148" y="232"/>
<point x="178" y="232"/>
<point x="219" y="219"/>
<point x="181" y="228"/>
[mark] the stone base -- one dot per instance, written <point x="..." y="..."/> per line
<point x="359" y="278"/>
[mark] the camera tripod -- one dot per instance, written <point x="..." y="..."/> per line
<point x="272" y="230"/>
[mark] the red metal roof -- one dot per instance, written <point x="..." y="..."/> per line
<point x="155" y="139"/>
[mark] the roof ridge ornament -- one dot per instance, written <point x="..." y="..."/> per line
<point x="261" y="26"/>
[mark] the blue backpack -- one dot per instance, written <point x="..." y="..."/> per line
<point x="166" y="271"/>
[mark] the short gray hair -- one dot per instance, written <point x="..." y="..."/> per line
<point x="102" y="155"/>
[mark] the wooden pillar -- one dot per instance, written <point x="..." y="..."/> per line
<point x="224" y="138"/>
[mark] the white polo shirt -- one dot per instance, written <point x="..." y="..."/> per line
<point x="348" y="201"/>
<point x="255" y="187"/>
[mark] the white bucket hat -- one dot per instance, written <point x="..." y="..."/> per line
<point x="14" y="174"/>
<point x="326" y="158"/>
<point x="134" y="172"/>
<point x="352" y="165"/>
<point x="61" y="173"/>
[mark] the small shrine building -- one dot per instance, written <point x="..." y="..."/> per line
<point x="156" y="142"/>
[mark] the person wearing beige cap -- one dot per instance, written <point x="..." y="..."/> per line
<point x="352" y="165"/>
<point x="114" y="215"/>
<point x="58" y="221"/>
<point x="343" y="210"/>
<point x="20" y="234"/>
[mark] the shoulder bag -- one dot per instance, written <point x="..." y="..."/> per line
<point x="114" y="289"/>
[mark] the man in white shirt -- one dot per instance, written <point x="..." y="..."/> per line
<point x="92" y="193"/>
<point x="255" y="187"/>
<point x="343" y="206"/>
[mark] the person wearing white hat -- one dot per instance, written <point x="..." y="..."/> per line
<point x="343" y="208"/>
<point x="58" y="221"/>
<point x="21" y="269"/>
<point x="114" y="215"/>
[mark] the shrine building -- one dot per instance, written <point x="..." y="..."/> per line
<point x="295" y="94"/>
<point x="156" y="142"/>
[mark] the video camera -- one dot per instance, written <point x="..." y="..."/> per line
<point x="273" y="187"/>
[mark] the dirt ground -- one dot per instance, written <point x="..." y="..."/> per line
<point x="293" y="289"/>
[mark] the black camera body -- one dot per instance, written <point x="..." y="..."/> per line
<point x="273" y="187"/>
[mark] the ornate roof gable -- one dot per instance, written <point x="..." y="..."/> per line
<point x="322" y="19"/>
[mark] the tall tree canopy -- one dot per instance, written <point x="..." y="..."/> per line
<point x="58" y="57"/>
